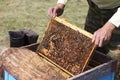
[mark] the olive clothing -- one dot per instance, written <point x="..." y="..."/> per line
<point x="107" y="4"/>
<point x="96" y="18"/>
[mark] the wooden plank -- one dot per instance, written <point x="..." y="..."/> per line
<point x="62" y="21"/>
<point x="24" y="64"/>
<point x="54" y="64"/>
<point x="33" y="47"/>
<point x="67" y="46"/>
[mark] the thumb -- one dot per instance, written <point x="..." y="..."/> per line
<point x="54" y="12"/>
<point x="93" y="38"/>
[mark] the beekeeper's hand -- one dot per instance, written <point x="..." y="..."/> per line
<point x="56" y="10"/>
<point x="102" y="36"/>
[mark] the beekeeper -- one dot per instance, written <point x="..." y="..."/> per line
<point x="103" y="21"/>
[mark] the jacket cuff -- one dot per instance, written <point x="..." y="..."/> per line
<point x="115" y="19"/>
<point x="62" y="1"/>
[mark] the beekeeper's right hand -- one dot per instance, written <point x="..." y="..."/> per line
<point x="57" y="10"/>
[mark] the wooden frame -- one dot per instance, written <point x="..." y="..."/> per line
<point x="47" y="41"/>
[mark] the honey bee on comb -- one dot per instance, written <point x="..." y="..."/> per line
<point x="66" y="45"/>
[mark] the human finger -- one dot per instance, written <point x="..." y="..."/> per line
<point x="54" y="14"/>
<point x="50" y="12"/>
<point x="101" y="42"/>
<point x="93" y="38"/>
<point x="96" y="39"/>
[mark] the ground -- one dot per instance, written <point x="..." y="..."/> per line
<point x="29" y="14"/>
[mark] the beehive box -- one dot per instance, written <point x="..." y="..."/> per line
<point x="101" y="67"/>
<point x="61" y="40"/>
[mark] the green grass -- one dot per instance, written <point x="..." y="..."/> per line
<point x="32" y="14"/>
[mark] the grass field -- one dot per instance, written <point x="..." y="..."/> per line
<point x="32" y="14"/>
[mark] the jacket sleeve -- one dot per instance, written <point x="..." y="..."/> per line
<point x="62" y="1"/>
<point x="115" y="19"/>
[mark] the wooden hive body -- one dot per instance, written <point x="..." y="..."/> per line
<point x="100" y="67"/>
<point x="66" y="46"/>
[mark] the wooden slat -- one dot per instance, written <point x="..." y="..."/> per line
<point x="24" y="64"/>
<point x="54" y="64"/>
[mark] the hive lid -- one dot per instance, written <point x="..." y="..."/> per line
<point x="66" y="46"/>
<point x="24" y="64"/>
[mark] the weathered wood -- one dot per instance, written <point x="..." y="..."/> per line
<point x="91" y="74"/>
<point x="24" y="64"/>
<point x="67" y="46"/>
